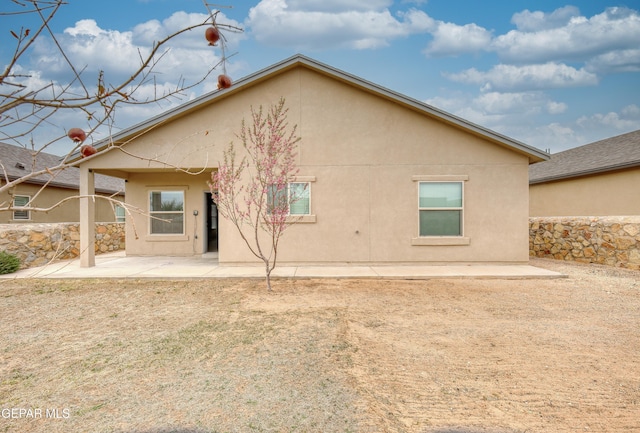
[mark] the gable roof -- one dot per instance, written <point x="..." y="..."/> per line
<point x="615" y="153"/>
<point x="18" y="161"/>
<point x="534" y="154"/>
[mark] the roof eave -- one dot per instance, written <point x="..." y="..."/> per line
<point x="62" y="185"/>
<point x="582" y="173"/>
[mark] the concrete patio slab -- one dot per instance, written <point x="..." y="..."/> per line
<point x="118" y="265"/>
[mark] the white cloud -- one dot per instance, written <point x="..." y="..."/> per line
<point x="183" y="62"/>
<point x="527" y="103"/>
<point x="517" y="115"/>
<point x="338" y="24"/>
<point x="527" y="21"/>
<point x="152" y="31"/>
<point x="631" y="112"/>
<point x="32" y="81"/>
<point x="452" y="39"/>
<point x="562" y="35"/>
<point x="87" y="44"/>
<point x="528" y="77"/>
<point x="119" y="53"/>
<point x="580" y="38"/>
<point x="559" y="136"/>
<point x="615" y="61"/>
<point x="586" y="129"/>
<point x="628" y="119"/>
<point x="334" y="6"/>
<point x="554" y="107"/>
<point x="417" y="21"/>
<point x="494" y="109"/>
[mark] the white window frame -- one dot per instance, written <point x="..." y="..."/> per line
<point x="310" y="217"/>
<point x="302" y="218"/>
<point x="443" y="240"/>
<point x="307" y="189"/>
<point x="459" y="209"/>
<point x="120" y="213"/>
<point x="17" y="212"/>
<point x="159" y="214"/>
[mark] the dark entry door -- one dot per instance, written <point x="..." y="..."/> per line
<point x="212" y="223"/>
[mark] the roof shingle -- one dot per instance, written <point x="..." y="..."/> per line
<point x="615" y="153"/>
<point x="18" y="161"/>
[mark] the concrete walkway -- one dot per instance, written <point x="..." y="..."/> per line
<point x="117" y="265"/>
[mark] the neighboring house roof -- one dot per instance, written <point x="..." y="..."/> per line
<point x="18" y="161"/>
<point x="615" y="153"/>
<point x="534" y="155"/>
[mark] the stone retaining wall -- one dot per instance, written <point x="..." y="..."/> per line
<point x="613" y="241"/>
<point x="39" y="244"/>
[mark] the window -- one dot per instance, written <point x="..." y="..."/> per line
<point x="297" y="195"/>
<point x="120" y="214"/>
<point x="20" y="201"/>
<point x="440" y="208"/>
<point x="166" y="209"/>
<point x="299" y="198"/>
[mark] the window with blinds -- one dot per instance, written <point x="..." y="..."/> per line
<point x="441" y="208"/>
<point x="21" y="201"/>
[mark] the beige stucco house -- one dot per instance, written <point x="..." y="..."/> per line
<point x="391" y="180"/>
<point x="597" y="179"/>
<point x="18" y="162"/>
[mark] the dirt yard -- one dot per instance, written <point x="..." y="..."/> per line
<point x="436" y="356"/>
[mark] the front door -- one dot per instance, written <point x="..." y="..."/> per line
<point x="212" y="223"/>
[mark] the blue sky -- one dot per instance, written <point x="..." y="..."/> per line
<point x="551" y="74"/>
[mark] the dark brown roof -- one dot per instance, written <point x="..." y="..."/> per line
<point x="615" y="153"/>
<point x="18" y="162"/>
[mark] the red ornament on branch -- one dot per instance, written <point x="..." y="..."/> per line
<point x="87" y="150"/>
<point x="224" y="81"/>
<point x="212" y="35"/>
<point x="77" y="135"/>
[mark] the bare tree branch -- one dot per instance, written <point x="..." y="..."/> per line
<point x="24" y="111"/>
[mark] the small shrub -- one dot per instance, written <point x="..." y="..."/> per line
<point x="8" y="263"/>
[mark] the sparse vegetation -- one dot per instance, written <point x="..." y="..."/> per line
<point x="9" y="263"/>
<point x="196" y="356"/>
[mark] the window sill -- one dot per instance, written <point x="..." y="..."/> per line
<point x="166" y="238"/>
<point x="301" y="219"/>
<point x="440" y="241"/>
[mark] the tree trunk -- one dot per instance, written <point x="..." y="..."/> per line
<point x="268" y="275"/>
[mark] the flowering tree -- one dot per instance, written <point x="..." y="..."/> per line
<point x="253" y="193"/>
<point x="28" y="104"/>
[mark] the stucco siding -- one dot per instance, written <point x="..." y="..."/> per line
<point x="614" y="193"/>
<point x="363" y="152"/>
<point x="67" y="212"/>
<point x="369" y="214"/>
<point x="139" y="239"/>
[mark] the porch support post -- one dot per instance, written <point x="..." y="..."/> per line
<point x="87" y="218"/>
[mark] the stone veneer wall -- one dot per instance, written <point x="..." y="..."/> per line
<point x="613" y="241"/>
<point x="39" y="244"/>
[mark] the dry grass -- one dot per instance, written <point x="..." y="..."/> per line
<point x="132" y="356"/>
<point x="446" y="356"/>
